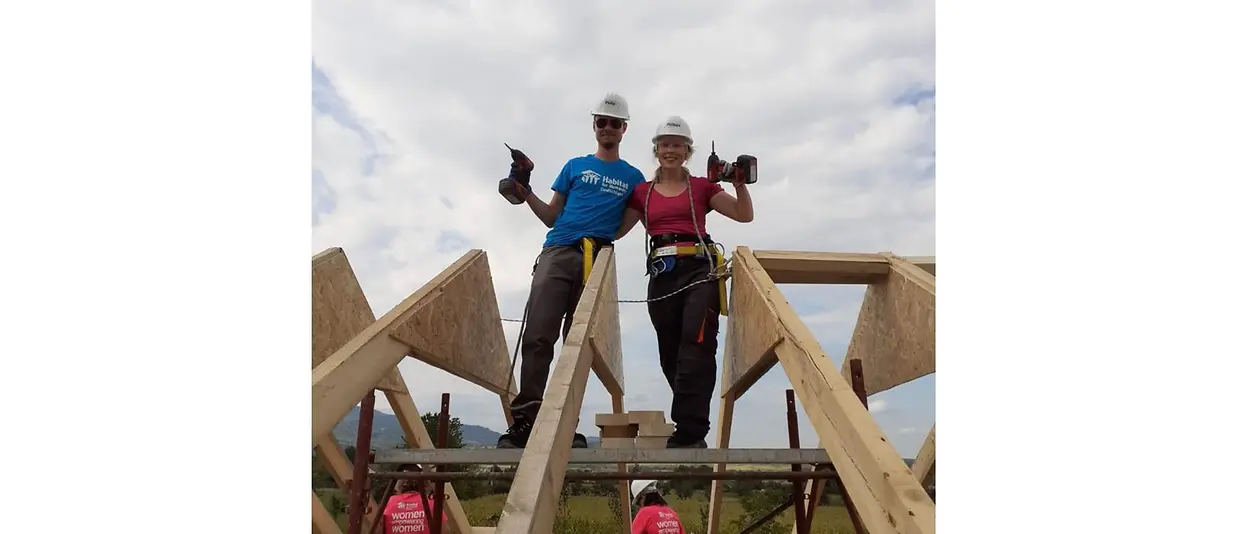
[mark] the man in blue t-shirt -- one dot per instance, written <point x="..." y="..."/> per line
<point x="590" y="195"/>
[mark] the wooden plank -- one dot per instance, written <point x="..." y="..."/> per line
<point x="607" y="456"/>
<point x="924" y="467"/>
<point x="617" y="406"/>
<point x="334" y="459"/>
<point x="322" y="520"/>
<point x="604" y="336"/>
<point x="339" y="382"/>
<point x="887" y="496"/>
<point x="531" y="503"/>
<point x="715" y="506"/>
<point x="462" y="332"/>
<point x="340" y="310"/>
<point x="896" y="332"/>
<point x="801" y="267"/>
<point x="752" y="336"/>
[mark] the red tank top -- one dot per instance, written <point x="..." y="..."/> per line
<point x="673" y="215"/>
<point x="408" y="513"/>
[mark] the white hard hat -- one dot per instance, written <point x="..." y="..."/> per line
<point x="642" y="487"/>
<point x="612" y="105"/>
<point x="673" y="126"/>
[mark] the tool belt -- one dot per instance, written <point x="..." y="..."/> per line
<point x="589" y="247"/>
<point x="664" y="253"/>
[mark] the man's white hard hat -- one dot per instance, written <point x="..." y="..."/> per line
<point x="642" y="487"/>
<point x="612" y="105"/>
<point x="673" y="126"/>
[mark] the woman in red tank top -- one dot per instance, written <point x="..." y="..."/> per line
<point x="673" y="207"/>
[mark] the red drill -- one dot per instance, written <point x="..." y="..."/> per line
<point x="744" y="169"/>
<point x="515" y="187"/>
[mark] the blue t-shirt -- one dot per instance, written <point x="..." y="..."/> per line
<point x="596" y="192"/>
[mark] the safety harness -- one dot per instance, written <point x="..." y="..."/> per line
<point x="666" y="249"/>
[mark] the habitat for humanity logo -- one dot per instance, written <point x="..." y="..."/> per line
<point x="591" y="177"/>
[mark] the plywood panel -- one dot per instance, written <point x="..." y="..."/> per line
<point x="460" y="330"/>
<point x="896" y="332"/>
<point x="339" y="309"/>
<point x="605" y="336"/>
<point x="339" y="382"/>
<point x="752" y="334"/>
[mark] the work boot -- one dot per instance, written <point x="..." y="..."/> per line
<point x="516" y="437"/>
<point x="675" y="443"/>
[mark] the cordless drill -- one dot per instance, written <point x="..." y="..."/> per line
<point x="521" y="171"/>
<point x="718" y="170"/>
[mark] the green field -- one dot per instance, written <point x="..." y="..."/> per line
<point x="584" y="514"/>
<point x="828" y="519"/>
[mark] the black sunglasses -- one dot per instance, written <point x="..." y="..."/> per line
<point x="602" y="122"/>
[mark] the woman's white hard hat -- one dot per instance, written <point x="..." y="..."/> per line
<point x="673" y="126"/>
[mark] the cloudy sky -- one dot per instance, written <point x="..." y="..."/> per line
<point x="412" y="102"/>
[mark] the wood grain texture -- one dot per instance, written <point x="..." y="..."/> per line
<point x="459" y="329"/>
<point x="895" y="336"/>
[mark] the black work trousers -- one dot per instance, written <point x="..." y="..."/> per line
<point x="687" y="326"/>
<point x="556" y="288"/>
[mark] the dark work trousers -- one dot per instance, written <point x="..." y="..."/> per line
<point x="687" y="325"/>
<point x="557" y="285"/>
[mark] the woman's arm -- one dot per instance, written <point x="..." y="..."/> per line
<point x="739" y="208"/>
<point x="631" y="216"/>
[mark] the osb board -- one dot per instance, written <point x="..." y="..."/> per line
<point x="604" y="335"/>
<point x="459" y="329"/>
<point x="896" y="332"/>
<point x="339" y="382"/>
<point x="340" y="311"/>
<point x="752" y="332"/>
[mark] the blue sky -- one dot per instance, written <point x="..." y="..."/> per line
<point x="411" y="110"/>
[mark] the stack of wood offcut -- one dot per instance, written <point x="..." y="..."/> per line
<point x="642" y="429"/>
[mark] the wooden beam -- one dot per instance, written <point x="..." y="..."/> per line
<point x="715" y="507"/>
<point x="896" y="332"/>
<point x="887" y="496"/>
<point x="801" y="267"/>
<point x="798" y="267"/>
<point x="531" y="503"/>
<point x="924" y="466"/>
<point x="751" y="338"/>
<point x="340" y="310"/>
<point x="322" y="520"/>
<point x="462" y="333"/>
<point x="339" y="382"/>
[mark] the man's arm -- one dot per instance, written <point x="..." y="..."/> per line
<point x="631" y="216"/>
<point x="547" y="213"/>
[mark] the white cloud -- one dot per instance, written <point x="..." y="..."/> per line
<point x="417" y="98"/>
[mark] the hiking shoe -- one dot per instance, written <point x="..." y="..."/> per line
<point x="674" y="443"/>
<point x="516" y="437"/>
<point x="579" y="442"/>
